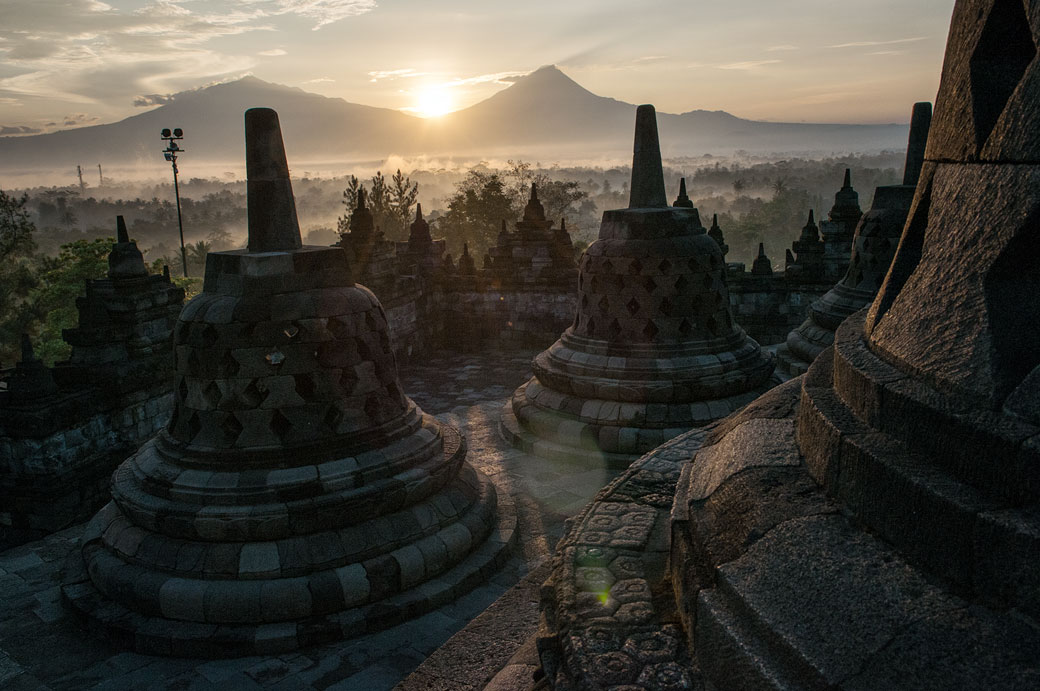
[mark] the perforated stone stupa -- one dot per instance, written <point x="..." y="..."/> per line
<point x="653" y="350"/>
<point x="889" y="533"/>
<point x="874" y="245"/>
<point x="297" y="495"/>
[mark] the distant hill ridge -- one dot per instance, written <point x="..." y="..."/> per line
<point x="544" y="113"/>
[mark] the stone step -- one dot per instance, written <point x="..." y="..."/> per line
<point x="732" y="653"/>
<point x="530" y="443"/>
<point x="157" y="635"/>
<point x="955" y="530"/>
<point x="816" y="604"/>
<point x="952" y="430"/>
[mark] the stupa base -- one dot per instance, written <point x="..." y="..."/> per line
<point x="158" y="635"/>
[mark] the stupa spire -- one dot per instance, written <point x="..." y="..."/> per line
<point x="920" y="122"/>
<point x="121" y="233"/>
<point x="683" y="200"/>
<point x="647" y="173"/>
<point x="27" y="349"/>
<point x="125" y="260"/>
<point x="273" y="226"/>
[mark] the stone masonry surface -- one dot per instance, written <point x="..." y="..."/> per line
<point x="43" y="647"/>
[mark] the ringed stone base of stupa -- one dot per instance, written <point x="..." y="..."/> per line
<point x="228" y="599"/>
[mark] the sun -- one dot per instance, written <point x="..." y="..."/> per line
<point x="433" y="102"/>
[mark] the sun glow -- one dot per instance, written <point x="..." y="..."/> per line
<point x="433" y="102"/>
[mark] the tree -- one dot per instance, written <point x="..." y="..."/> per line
<point x="391" y="204"/>
<point x="350" y="197"/>
<point x="17" y="271"/>
<point x="52" y="304"/>
<point x="197" y="252"/>
<point x="403" y="194"/>
<point x="379" y="203"/>
<point x="739" y="185"/>
<point x="475" y="212"/>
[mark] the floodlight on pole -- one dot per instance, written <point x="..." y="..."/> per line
<point x="170" y="154"/>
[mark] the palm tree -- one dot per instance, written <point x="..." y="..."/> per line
<point x="197" y="257"/>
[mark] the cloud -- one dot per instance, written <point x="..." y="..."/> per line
<point x="867" y="44"/>
<point x="79" y="119"/>
<point x="274" y="52"/>
<point x="785" y="46"/>
<point x="494" y="77"/>
<point x="8" y="130"/>
<point x="149" y="100"/>
<point x="405" y="73"/>
<point x="86" y="52"/>
<point x="325" y="12"/>
<point x="747" y="65"/>
<point x="319" y="80"/>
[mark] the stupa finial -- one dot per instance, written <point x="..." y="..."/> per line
<point x="920" y="123"/>
<point x="27" y="349"/>
<point x="273" y="226"/>
<point x="647" y="173"/>
<point x="121" y="233"/>
<point x="683" y="200"/>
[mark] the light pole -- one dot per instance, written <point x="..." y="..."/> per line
<point x="170" y="152"/>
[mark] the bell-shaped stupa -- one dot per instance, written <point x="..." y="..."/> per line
<point x="874" y="523"/>
<point x="653" y="350"/>
<point x="297" y="495"/>
<point x="874" y="245"/>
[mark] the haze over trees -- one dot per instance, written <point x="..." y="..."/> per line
<point x="51" y="239"/>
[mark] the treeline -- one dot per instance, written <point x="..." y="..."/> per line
<point x="51" y="239"/>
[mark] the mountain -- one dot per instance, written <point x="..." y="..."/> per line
<point x="314" y="127"/>
<point x="544" y="114"/>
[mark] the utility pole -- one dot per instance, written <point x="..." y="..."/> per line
<point x="170" y="153"/>
<point x="82" y="185"/>
<point x="100" y="177"/>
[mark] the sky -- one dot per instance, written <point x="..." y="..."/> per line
<point x="71" y="63"/>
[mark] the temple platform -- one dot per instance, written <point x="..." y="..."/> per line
<point x="43" y="646"/>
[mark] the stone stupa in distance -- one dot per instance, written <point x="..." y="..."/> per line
<point x="873" y="247"/>
<point x="653" y="350"/>
<point x="297" y="495"/>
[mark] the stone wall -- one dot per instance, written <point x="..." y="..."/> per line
<point x="530" y="318"/>
<point x="768" y="307"/>
<point x="59" y="457"/>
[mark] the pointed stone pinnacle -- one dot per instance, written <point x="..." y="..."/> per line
<point x="418" y="212"/>
<point x="503" y="225"/>
<point x="812" y="218"/>
<point x="534" y="192"/>
<point x="683" y="201"/>
<point x="647" y="173"/>
<point x="166" y="272"/>
<point x="121" y="234"/>
<point x="848" y="179"/>
<point x="273" y="226"/>
<point x="27" y="349"/>
<point x="361" y="198"/>
<point x="125" y="260"/>
<point x="714" y="220"/>
<point x="920" y="123"/>
<point x="761" y="249"/>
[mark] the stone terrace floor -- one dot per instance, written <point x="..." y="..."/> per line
<point x="41" y="647"/>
